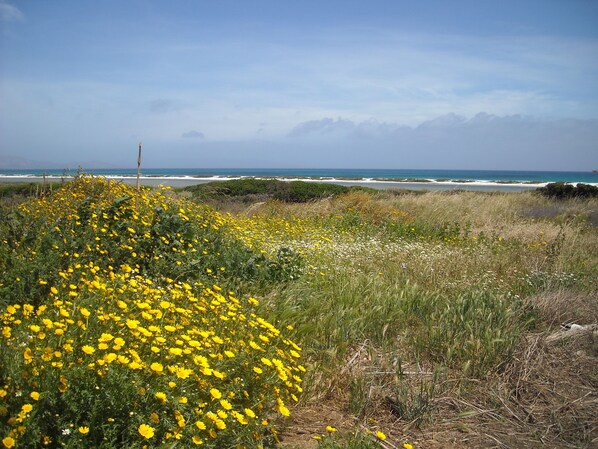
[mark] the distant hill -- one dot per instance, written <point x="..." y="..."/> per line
<point x="20" y="163"/>
<point x="10" y="162"/>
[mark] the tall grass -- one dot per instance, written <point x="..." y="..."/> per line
<point x="439" y="282"/>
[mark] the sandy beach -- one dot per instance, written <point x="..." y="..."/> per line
<point x="184" y="181"/>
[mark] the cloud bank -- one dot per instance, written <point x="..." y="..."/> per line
<point x="454" y="141"/>
<point x="484" y="141"/>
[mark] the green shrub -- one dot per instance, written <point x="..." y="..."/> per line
<point x="250" y="188"/>
<point x="107" y="223"/>
<point x="562" y="190"/>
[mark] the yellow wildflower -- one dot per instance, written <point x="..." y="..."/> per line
<point x="157" y="367"/>
<point x="146" y="431"/>
<point x="215" y="393"/>
<point x="88" y="349"/>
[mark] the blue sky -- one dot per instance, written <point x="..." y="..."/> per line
<point x="373" y="84"/>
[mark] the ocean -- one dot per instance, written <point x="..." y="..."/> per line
<point x="377" y="178"/>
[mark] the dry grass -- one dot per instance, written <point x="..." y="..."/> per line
<point x="364" y="374"/>
<point x="546" y="397"/>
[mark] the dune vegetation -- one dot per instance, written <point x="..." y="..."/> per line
<point x="264" y="315"/>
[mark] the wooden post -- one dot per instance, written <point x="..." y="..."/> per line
<point x="138" y="174"/>
<point x="138" y="165"/>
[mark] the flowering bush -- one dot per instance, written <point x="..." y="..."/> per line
<point x="122" y="344"/>
<point x="111" y="224"/>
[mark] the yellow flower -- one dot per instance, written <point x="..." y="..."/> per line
<point x="27" y="408"/>
<point x="146" y="431"/>
<point x="160" y="396"/>
<point x="183" y="373"/>
<point x="8" y="442"/>
<point x="85" y="312"/>
<point x="407" y="446"/>
<point x="84" y="430"/>
<point x="157" y="367"/>
<point x="28" y="355"/>
<point x="88" y="349"/>
<point x="105" y="337"/>
<point x="284" y="411"/>
<point x="380" y="435"/>
<point x="330" y="429"/>
<point x="249" y="413"/>
<point x="215" y="393"/>
<point x="175" y="351"/>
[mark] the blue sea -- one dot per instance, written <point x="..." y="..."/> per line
<point x="378" y="178"/>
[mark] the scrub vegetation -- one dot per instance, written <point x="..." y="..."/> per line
<point x="330" y="318"/>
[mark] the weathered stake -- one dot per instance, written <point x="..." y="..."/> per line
<point x="138" y="165"/>
<point x="138" y="174"/>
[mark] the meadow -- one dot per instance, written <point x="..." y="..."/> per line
<point x="277" y="315"/>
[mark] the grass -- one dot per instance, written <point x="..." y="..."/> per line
<point x="413" y="299"/>
<point x="433" y="318"/>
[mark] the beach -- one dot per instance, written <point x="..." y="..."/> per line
<point x="184" y="181"/>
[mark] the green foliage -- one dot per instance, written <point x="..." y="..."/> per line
<point x="250" y="189"/>
<point x="359" y="440"/>
<point x="472" y="331"/>
<point x="301" y="191"/>
<point x="19" y="189"/>
<point x="562" y="190"/>
<point x="235" y="188"/>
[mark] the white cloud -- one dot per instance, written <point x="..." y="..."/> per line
<point x="9" y="12"/>
<point x="193" y="135"/>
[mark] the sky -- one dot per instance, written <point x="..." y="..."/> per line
<point x="505" y="85"/>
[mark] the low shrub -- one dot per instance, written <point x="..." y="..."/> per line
<point x="249" y="188"/>
<point x="19" y="189"/>
<point x="562" y="190"/>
